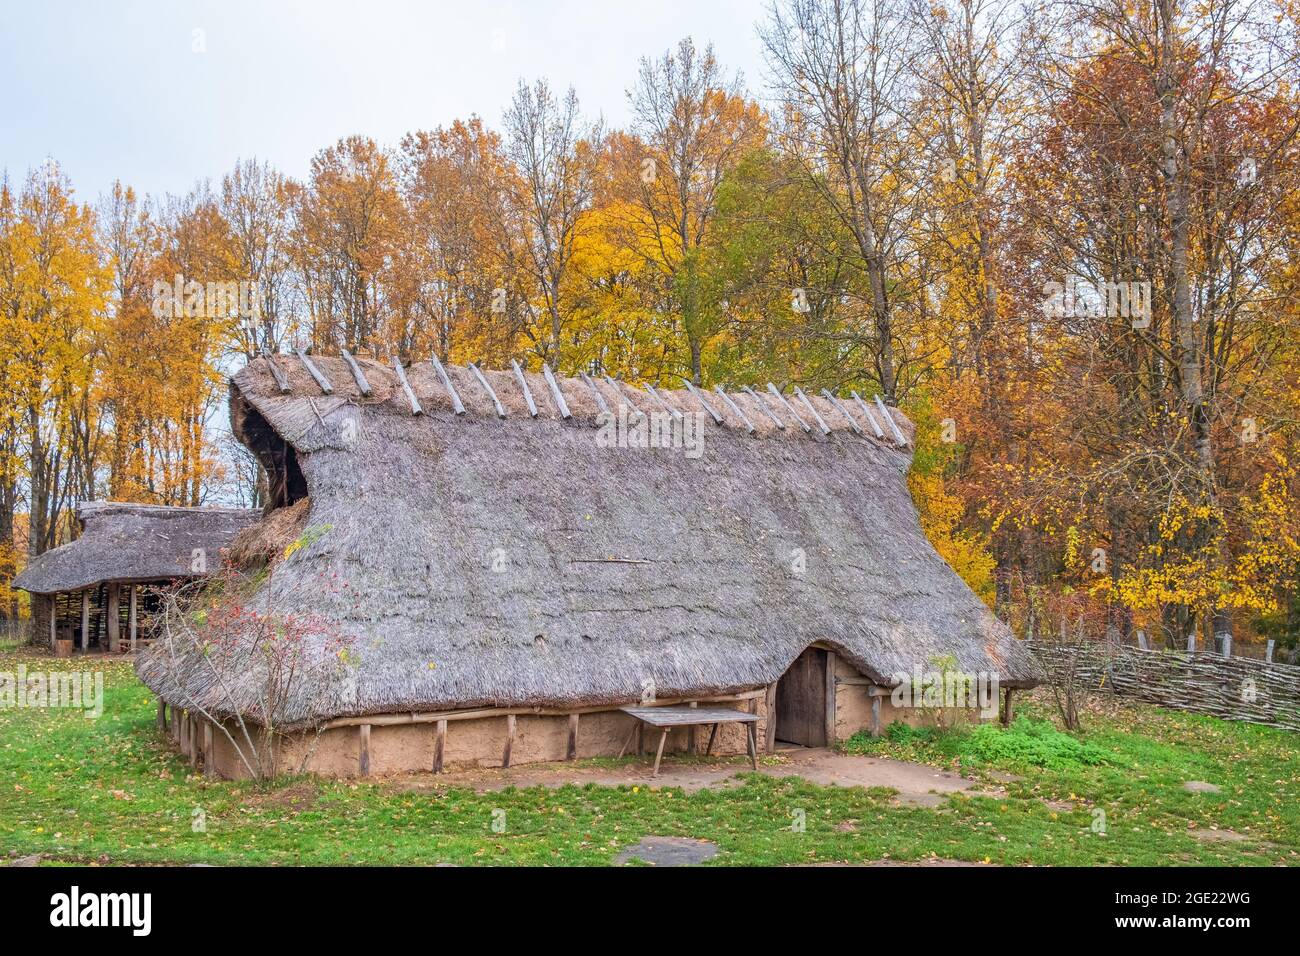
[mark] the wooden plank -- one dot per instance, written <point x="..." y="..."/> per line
<point x="85" y="620"/>
<point x="439" y="746"/>
<point x="363" y="750"/>
<point x="523" y="385"/>
<point x="821" y="422"/>
<point x="758" y="399"/>
<point x="510" y="740"/>
<point x="788" y="407"/>
<point x="406" y="387"/>
<point x="713" y="735"/>
<point x="769" y="744"/>
<point x="131" y="618"/>
<point x="751" y="737"/>
<point x="830" y="698"/>
<point x="496" y="402"/>
<point x="735" y="409"/>
<point x="624" y="398"/>
<point x="660" y="399"/>
<point x="571" y="752"/>
<point x="866" y="413"/>
<point x="830" y="397"/>
<point x="321" y="381"/>
<point x="114" y="616"/>
<point x="595" y="391"/>
<point x="699" y="397"/>
<point x="685" y="716"/>
<point x="457" y="405"/>
<point x="893" y="425"/>
<point x="281" y="380"/>
<point x="556" y="394"/>
<point x="363" y="384"/>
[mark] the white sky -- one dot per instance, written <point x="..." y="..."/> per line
<point x="116" y="90"/>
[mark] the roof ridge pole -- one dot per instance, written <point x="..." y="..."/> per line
<point x="406" y="387"/>
<point x="893" y="425"/>
<point x="862" y="406"/>
<point x="555" y="391"/>
<point x="789" y="408"/>
<point x="749" y="426"/>
<point x="315" y="373"/>
<point x="523" y="384"/>
<point x="600" y="399"/>
<point x="360" y="376"/>
<point x="699" y="397"/>
<point x="496" y="402"/>
<point x="821" y="422"/>
<point x="281" y="382"/>
<point x="624" y="397"/>
<point x="763" y="405"/>
<point x="658" y="398"/>
<point x="457" y="405"/>
<point x="830" y="396"/>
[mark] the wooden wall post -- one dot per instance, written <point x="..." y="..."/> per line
<point x="1006" y="708"/>
<point x="510" y="740"/>
<point x="114" y="617"/>
<point x="830" y="698"/>
<point x="571" y="752"/>
<point x="209" y="763"/>
<point x="162" y="714"/>
<point x="875" y="715"/>
<point x="131" y="618"/>
<point x="690" y="733"/>
<point x="769" y="734"/>
<point x="439" y="746"/>
<point x="363" y="750"/>
<point x="54" y="612"/>
<point x="85" y="620"/>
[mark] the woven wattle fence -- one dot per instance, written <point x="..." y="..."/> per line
<point x="1234" y="688"/>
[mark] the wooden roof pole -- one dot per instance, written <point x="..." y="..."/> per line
<point x="457" y="405"/>
<point x="315" y="373"/>
<point x="523" y="384"/>
<point x="363" y="384"/>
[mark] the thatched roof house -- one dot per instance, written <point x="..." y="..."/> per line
<point x="122" y="545"/>
<point x="487" y="545"/>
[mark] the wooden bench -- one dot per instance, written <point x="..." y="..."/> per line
<point x="666" y="718"/>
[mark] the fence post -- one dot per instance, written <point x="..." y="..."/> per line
<point x="1191" y="643"/>
<point x="1225" y="643"/>
<point x="1268" y="652"/>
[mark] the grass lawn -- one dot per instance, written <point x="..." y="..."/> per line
<point x="112" y="791"/>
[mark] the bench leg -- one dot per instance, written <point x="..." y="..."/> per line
<point x="630" y="734"/>
<point x="712" y="734"/>
<point x="750" y="735"/>
<point x="663" y="738"/>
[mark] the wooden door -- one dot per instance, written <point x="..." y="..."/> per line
<point x="801" y="700"/>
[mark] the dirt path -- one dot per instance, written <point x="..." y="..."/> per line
<point x="917" y="785"/>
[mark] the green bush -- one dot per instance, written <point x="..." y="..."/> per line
<point x="1033" y="742"/>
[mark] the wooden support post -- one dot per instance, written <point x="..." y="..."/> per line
<point x="659" y="754"/>
<point x="875" y="716"/>
<point x="114" y="617"/>
<point x="363" y="750"/>
<point x="713" y="735"/>
<point x="131" y="618"/>
<point x="85" y="620"/>
<point x="751" y="737"/>
<point x="162" y="714"/>
<point x="440" y="746"/>
<point x="1006" y="708"/>
<point x="571" y="753"/>
<point x="54" y="612"/>
<point x="690" y="733"/>
<point x="770" y="705"/>
<point x="830" y="699"/>
<point x="640" y="738"/>
<point x="209" y="762"/>
<point x="510" y="740"/>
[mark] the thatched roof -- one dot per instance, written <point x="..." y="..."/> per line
<point x="480" y="560"/>
<point x="133" y="542"/>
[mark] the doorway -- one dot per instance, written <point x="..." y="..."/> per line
<point x="801" y="700"/>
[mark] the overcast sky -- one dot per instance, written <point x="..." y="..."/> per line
<point x="161" y="94"/>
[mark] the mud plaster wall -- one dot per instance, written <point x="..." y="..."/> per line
<point x="480" y="742"/>
<point x="853" y="708"/>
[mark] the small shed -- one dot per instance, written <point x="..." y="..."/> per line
<point x="94" y="590"/>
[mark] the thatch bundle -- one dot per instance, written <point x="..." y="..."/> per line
<point x="135" y="542"/>
<point x="477" y="560"/>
